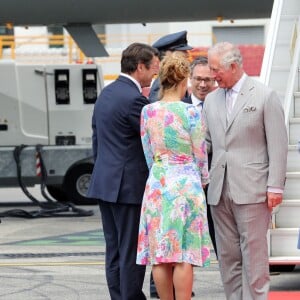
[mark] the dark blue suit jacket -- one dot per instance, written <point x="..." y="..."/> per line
<point x="154" y="92"/>
<point x="120" y="171"/>
<point x="187" y="99"/>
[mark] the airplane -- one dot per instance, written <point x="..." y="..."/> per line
<point x="78" y="16"/>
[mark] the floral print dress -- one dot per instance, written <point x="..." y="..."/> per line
<point x="173" y="224"/>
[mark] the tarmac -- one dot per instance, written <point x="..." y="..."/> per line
<point x="62" y="257"/>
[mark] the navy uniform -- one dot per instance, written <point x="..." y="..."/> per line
<point x="171" y="42"/>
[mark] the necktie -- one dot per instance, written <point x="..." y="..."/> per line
<point x="229" y="102"/>
<point x="200" y="106"/>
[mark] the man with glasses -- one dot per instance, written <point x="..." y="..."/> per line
<point x="201" y="84"/>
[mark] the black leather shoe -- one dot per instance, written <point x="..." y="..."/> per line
<point x="193" y="295"/>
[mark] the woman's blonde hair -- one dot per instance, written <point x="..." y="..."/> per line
<point x="174" y="68"/>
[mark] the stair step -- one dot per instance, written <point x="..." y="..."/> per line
<point x="294" y="131"/>
<point x="289" y="9"/>
<point x="284" y="241"/>
<point x="279" y="72"/>
<point x="288" y="215"/>
<point x="297" y="104"/>
<point x="293" y="159"/>
<point x="284" y="260"/>
<point x="292" y="190"/>
<point x="280" y="58"/>
<point x="286" y="25"/>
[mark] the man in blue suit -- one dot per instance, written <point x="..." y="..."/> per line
<point x="120" y="171"/>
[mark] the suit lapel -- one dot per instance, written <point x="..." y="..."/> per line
<point x="242" y="98"/>
<point x="221" y="99"/>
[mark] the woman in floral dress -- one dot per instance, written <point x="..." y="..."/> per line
<point x="173" y="233"/>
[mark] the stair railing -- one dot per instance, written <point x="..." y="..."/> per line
<point x="271" y="42"/>
<point x="293" y="74"/>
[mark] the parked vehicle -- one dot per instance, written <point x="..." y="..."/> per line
<point x="45" y="126"/>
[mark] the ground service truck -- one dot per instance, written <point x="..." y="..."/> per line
<point x="45" y="125"/>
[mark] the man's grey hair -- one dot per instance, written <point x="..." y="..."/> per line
<point x="228" y="54"/>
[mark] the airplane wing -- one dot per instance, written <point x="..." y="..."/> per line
<point x="86" y="40"/>
<point x="85" y="13"/>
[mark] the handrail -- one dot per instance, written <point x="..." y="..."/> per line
<point x="295" y="51"/>
<point x="271" y="42"/>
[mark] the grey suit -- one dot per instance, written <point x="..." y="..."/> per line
<point x="249" y="155"/>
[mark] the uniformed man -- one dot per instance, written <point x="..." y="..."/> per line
<point x="169" y="43"/>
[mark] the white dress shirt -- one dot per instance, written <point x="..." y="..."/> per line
<point x="197" y="102"/>
<point x="132" y="79"/>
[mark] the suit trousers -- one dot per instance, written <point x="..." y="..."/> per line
<point x="120" y="225"/>
<point x="211" y="226"/>
<point x="241" y="237"/>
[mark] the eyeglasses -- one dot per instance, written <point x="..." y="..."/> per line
<point x="200" y="79"/>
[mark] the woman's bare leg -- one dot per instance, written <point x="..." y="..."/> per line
<point x="183" y="281"/>
<point x="163" y="278"/>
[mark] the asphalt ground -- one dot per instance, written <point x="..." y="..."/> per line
<point x="62" y="257"/>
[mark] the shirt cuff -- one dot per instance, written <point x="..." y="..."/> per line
<point x="275" y="190"/>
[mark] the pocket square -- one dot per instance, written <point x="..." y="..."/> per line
<point x="249" y="108"/>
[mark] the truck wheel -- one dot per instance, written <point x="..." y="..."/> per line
<point x="76" y="184"/>
<point x="57" y="192"/>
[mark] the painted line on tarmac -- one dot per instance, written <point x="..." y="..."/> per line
<point x="53" y="264"/>
<point x="50" y="264"/>
<point x="86" y="238"/>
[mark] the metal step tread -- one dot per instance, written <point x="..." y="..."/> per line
<point x="293" y="174"/>
<point x="281" y="42"/>
<point x="293" y="147"/>
<point x="284" y="231"/>
<point x="280" y="68"/>
<point x="295" y="120"/>
<point x="288" y="17"/>
<point x="284" y="260"/>
<point x="290" y="202"/>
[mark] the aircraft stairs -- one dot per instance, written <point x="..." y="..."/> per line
<point x="280" y="71"/>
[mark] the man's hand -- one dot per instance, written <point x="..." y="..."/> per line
<point x="274" y="199"/>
